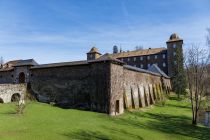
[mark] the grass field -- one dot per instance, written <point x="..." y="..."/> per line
<point x="44" y="122"/>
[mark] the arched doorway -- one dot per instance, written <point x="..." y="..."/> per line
<point x="22" y="77"/>
<point x="15" y="97"/>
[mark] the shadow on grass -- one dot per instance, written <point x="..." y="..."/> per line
<point x="170" y="124"/>
<point x="87" y="135"/>
<point x="8" y="113"/>
<point x="179" y="106"/>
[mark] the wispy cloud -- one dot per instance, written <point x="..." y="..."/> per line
<point x="66" y="32"/>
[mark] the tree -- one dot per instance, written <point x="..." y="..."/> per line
<point x="196" y="63"/>
<point x="115" y="49"/>
<point x="179" y="78"/>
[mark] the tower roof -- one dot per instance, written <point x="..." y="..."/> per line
<point x="94" y="50"/>
<point x="174" y="37"/>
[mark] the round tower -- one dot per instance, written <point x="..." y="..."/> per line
<point x="174" y="54"/>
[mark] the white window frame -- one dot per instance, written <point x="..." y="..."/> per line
<point x="142" y="66"/>
<point x="164" y="56"/>
<point x="156" y="56"/>
<point x="174" y="46"/>
<point x="141" y="58"/>
<point x="164" y="64"/>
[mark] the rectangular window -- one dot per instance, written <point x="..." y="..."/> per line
<point x="142" y="66"/>
<point x="148" y="57"/>
<point x="174" y="46"/>
<point x="156" y="56"/>
<point x="174" y="53"/>
<point x="164" y="64"/>
<point x="134" y="59"/>
<point x="164" y="56"/>
<point x="128" y="59"/>
<point x="141" y="58"/>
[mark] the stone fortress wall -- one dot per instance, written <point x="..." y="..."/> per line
<point x="106" y="86"/>
<point x="102" y="85"/>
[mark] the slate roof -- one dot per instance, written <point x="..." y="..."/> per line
<point x="27" y="62"/>
<point x="156" y="69"/>
<point x="140" y="70"/>
<point x="94" y="50"/>
<point x="107" y="57"/>
<point x="139" y="53"/>
<point x="12" y="63"/>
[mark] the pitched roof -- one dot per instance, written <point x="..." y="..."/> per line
<point x="140" y="70"/>
<point x="156" y="69"/>
<point x="94" y="50"/>
<point x="28" y="62"/>
<point x="139" y="53"/>
<point x="12" y="63"/>
<point x="107" y="57"/>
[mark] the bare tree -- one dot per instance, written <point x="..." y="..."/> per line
<point x="196" y="63"/>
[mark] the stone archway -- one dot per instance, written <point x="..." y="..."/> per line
<point x="22" y="77"/>
<point x="15" y="97"/>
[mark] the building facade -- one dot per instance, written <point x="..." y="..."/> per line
<point x="164" y="58"/>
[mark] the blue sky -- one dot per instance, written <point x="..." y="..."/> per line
<point x="65" y="30"/>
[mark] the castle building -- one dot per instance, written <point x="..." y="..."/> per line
<point x="164" y="58"/>
<point x="106" y="83"/>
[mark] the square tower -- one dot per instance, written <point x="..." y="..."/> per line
<point x="174" y="55"/>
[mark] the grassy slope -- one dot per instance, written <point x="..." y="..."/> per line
<point x="43" y="122"/>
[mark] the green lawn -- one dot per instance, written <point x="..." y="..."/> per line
<point x="44" y="122"/>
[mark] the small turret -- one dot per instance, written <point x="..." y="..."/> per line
<point x="93" y="54"/>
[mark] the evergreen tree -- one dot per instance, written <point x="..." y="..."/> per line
<point x="179" y="79"/>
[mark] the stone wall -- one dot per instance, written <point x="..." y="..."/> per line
<point x="134" y="89"/>
<point x="80" y="86"/>
<point x="6" y="77"/>
<point x="103" y="86"/>
<point x="8" y="90"/>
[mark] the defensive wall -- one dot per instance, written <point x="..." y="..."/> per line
<point x="106" y="86"/>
